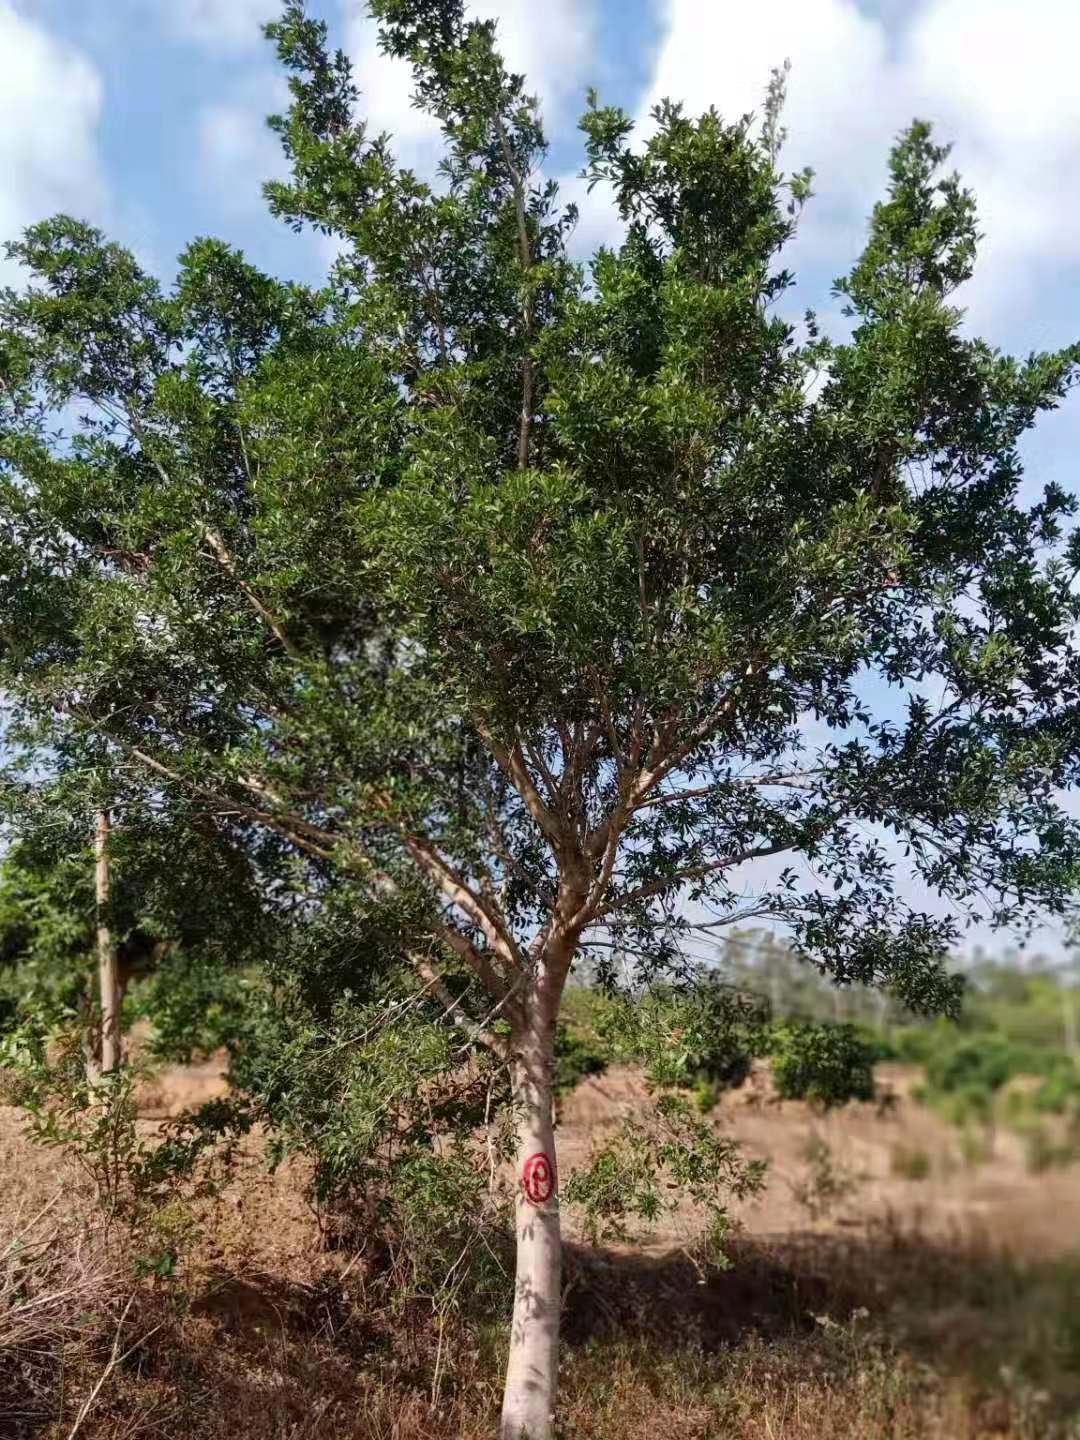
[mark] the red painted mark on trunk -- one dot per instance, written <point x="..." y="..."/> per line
<point x="538" y="1178"/>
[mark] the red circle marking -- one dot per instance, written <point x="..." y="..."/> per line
<point x="538" y="1178"/>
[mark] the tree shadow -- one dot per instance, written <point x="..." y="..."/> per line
<point x="670" y="1298"/>
<point x="960" y="1304"/>
<point x="251" y="1353"/>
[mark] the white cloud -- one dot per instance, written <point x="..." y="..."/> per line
<point x="712" y="57"/>
<point x="1001" y="79"/>
<point x="385" y="86"/>
<point x="551" y="45"/>
<point x="598" y="222"/>
<point x="998" y="79"/>
<point x="50" y="106"/>
<point x="238" y="154"/>
<point x="235" y="24"/>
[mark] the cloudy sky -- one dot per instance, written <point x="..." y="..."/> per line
<point x="147" y="117"/>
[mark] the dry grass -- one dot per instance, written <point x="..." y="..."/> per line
<point x="59" y="1287"/>
<point x="964" y="1328"/>
<point x="888" y="1337"/>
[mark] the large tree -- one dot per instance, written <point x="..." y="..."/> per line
<point x="543" y="598"/>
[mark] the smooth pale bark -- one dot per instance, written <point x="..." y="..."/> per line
<point x="1068" y="1009"/>
<point x="532" y="1369"/>
<point x="108" y="974"/>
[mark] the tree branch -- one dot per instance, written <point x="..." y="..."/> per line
<point x="512" y="763"/>
<point x="436" y="984"/>
<point x="463" y="947"/>
<point x="228" y="564"/>
<point x="459" y="893"/>
<point x="526" y="258"/>
<point x="694" y="872"/>
<point x="791" y="781"/>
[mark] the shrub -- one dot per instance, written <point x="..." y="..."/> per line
<point x="910" y="1164"/>
<point x="825" y="1064"/>
<point x="978" y="1063"/>
<point x="576" y="1056"/>
<point x="971" y="1105"/>
<point x="913" y="1044"/>
<point x="637" y="1174"/>
<point x="1059" y="1092"/>
<point x="403" y="1136"/>
<point x="826" y="1183"/>
<point x="684" y="1034"/>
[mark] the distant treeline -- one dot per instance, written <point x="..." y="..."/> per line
<point x="1031" y="1000"/>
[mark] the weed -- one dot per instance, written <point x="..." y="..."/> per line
<point x="826" y="1183"/>
<point x="910" y="1163"/>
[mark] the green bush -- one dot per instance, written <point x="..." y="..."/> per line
<point x="576" y="1056"/>
<point x="1059" y="1093"/>
<point x="825" y="1064"/>
<point x="640" y="1173"/>
<point x="981" y="1063"/>
<point x="914" y="1044"/>
<point x="965" y="1074"/>
<point x="686" y="1034"/>
<point x="970" y="1105"/>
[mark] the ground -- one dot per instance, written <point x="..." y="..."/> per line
<point x="891" y="1284"/>
<point x="873" y="1148"/>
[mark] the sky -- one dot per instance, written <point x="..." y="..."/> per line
<point x="147" y="117"/>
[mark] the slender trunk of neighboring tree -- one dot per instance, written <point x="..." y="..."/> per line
<point x="1068" y="1008"/>
<point x="532" y="1370"/>
<point x="108" y="975"/>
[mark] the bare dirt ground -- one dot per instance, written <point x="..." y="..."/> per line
<point x="997" y="1197"/>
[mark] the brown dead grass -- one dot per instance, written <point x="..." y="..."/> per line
<point x="889" y="1338"/>
<point x="997" y="1197"/>
<point x="960" y="1321"/>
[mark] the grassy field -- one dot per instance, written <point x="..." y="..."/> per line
<point x="888" y="1284"/>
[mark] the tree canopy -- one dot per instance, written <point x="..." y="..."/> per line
<point x="539" y="597"/>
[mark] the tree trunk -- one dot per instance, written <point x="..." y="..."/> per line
<point x="108" y="975"/>
<point x="1068" y="1009"/>
<point x="532" y="1370"/>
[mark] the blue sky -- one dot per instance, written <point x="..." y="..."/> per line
<point x="147" y="117"/>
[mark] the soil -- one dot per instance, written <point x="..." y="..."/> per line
<point x="872" y="1149"/>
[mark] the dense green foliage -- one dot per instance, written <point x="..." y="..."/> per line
<point x="1018" y="1024"/>
<point x="825" y="1064"/>
<point x="1018" y="1027"/>
<point x="482" y="613"/>
<point x="308" y="563"/>
<point x="187" y="913"/>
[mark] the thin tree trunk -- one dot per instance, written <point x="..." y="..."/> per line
<point x="532" y="1370"/>
<point x="108" y="976"/>
<point x="1068" y="1006"/>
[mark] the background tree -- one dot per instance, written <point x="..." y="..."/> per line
<point x="189" y="908"/>
<point x="537" y="599"/>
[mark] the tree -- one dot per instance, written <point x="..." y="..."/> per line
<point x="109" y="985"/>
<point x="518" y="591"/>
<point x="183" y="906"/>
